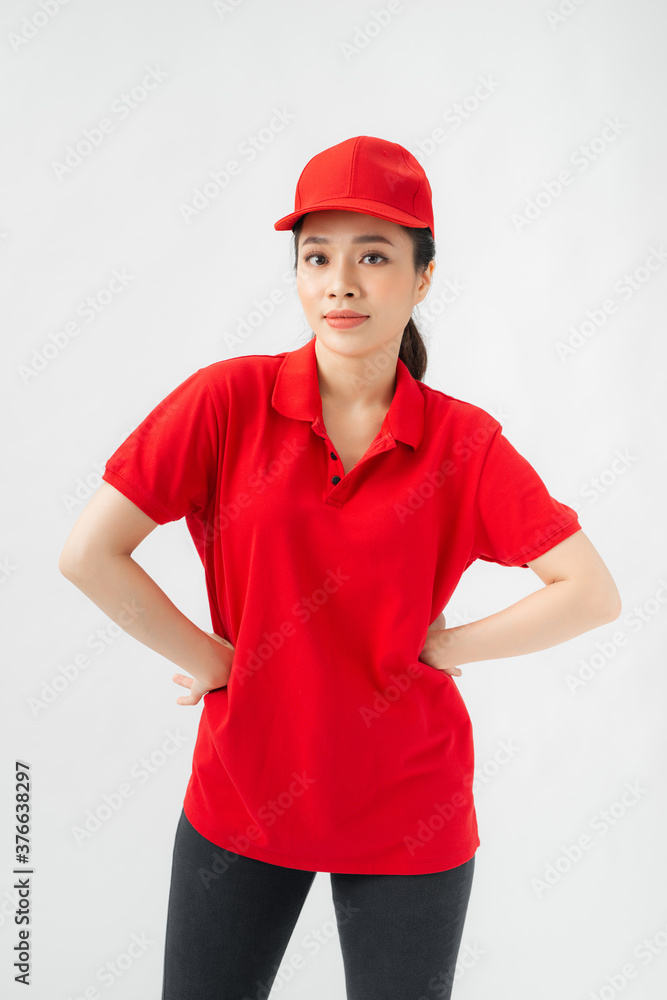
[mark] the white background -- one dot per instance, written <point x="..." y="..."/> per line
<point x="588" y="421"/>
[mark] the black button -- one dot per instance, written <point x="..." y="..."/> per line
<point x="335" y="479"/>
<point x="334" y="456"/>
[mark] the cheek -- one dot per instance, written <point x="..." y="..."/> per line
<point x="392" y="292"/>
<point x="308" y="288"/>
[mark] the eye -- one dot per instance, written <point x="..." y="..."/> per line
<point x="310" y="256"/>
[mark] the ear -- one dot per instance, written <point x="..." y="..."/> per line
<point x="425" y="282"/>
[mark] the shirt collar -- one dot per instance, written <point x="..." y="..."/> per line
<point x="296" y="394"/>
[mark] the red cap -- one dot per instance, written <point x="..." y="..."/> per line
<point x="364" y="174"/>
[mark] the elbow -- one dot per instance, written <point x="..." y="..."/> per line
<point x="614" y="601"/>
<point x="615" y="608"/>
<point x="609" y="606"/>
<point x="599" y="602"/>
<point x="78" y="565"/>
<point x="67" y="565"/>
<point x="72" y="563"/>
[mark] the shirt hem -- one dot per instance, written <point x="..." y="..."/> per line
<point x="138" y="498"/>
<point x="549" y="542"/>
<point x="420" y="866"/>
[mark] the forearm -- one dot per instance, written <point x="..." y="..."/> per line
<point x="123" y="590"/>
<point x="555" y="613"/>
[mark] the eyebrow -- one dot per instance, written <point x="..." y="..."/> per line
<point x="366" y="238"/>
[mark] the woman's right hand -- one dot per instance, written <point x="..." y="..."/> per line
<point x="218" y="676"/>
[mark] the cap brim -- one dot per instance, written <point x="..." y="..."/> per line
<point x="375" y="208"/>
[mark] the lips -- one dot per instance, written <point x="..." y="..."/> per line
<point x="344" y="322"/>
<point x="344" y="319"/>
<point x="344" y="314"/>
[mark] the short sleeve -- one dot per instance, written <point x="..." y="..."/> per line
<point x="516" y="519"/>
<point x="167" y="466"/>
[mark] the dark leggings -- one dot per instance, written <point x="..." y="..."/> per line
<point x="230" y="919"/>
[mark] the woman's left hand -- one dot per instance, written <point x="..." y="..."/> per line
<point x="434" y="651"/>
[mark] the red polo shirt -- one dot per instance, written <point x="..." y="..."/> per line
<point x="333" y="747"/>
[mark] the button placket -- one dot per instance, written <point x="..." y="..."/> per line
<point x="342" y="483"/>
<point x="385" y="443"/>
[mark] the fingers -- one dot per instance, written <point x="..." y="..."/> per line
<point x="194" y="697"/>
<point x="452" y="671"/>
<point x="187" y="682"/>
<point x="182" y="680"/>
<point x="187" y="699"/>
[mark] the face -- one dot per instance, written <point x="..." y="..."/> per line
<point x="358" y="263"/>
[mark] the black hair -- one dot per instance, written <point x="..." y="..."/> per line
<point x="413" y="350"/>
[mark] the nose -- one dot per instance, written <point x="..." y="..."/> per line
<point x="340" y="280"/>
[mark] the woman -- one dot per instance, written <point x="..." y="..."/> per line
<point x="335" y="501"/>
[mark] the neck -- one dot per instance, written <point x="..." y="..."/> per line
<point x="365" y="381"/>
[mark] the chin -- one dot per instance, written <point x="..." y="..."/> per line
<point x="350" y="343"/>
